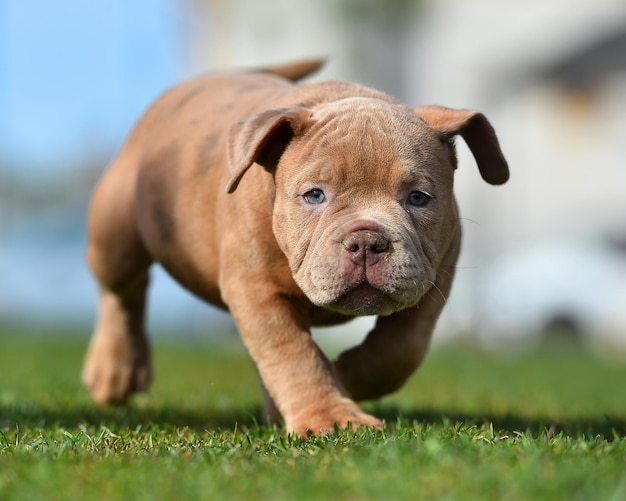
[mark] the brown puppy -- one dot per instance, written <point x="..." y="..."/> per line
<point x="290" y="206"/>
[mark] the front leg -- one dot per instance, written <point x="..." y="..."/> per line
<point x="296" y="374"/>
<point x="117" y="363"/>
<point x="387" y="357"/>
<point x="396" y="346"/>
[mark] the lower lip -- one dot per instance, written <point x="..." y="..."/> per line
<point x="365" y="298"/>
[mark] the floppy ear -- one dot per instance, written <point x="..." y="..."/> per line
<point x="477" y="132"/>
<point x="262" y="139"/>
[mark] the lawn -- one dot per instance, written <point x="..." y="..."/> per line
<point x="543" y="425"/>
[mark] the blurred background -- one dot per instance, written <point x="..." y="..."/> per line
<point x="545" y="253"/>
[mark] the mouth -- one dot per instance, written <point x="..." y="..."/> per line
<point x="365" y="299"/>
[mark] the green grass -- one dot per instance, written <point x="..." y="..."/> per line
<point x="548" y="424"/>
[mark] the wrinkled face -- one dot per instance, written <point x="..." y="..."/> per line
<point x="364" y="209"/>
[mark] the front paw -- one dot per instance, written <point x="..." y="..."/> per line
<point x="115" y="369"/>
<point x="322" y="418"/>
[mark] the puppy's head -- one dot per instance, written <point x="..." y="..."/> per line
<point x="364" y="209"/>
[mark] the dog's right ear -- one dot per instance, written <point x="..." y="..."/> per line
<point x="262" y="138"/>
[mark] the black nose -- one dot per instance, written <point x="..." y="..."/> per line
<point x="365" y="247"/>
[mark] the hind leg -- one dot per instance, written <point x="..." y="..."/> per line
<point x="117" y="362"/>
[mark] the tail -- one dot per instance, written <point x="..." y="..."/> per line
<point x="295" y="71"/>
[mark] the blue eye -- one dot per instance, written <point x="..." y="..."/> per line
<point x="419" y="198"/>
<point x="315" y="197"/>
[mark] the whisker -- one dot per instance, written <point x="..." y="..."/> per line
<point x="469" y="220"/>
<point x="443" y="296"/>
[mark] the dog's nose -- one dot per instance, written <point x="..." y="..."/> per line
<point x="365" y="247"/>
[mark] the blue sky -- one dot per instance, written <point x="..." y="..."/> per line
<point x="76" y="74"/>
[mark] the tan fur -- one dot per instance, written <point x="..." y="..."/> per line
<point x="213" y="184"/>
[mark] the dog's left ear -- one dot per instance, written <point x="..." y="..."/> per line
<point x="262" y="138"/>
<point x="477" y="132"/>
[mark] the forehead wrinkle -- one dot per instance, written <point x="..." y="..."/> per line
<point x="368" y="134"/>
<point x="389" y="119"/>
<point x="368" y="138"/>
